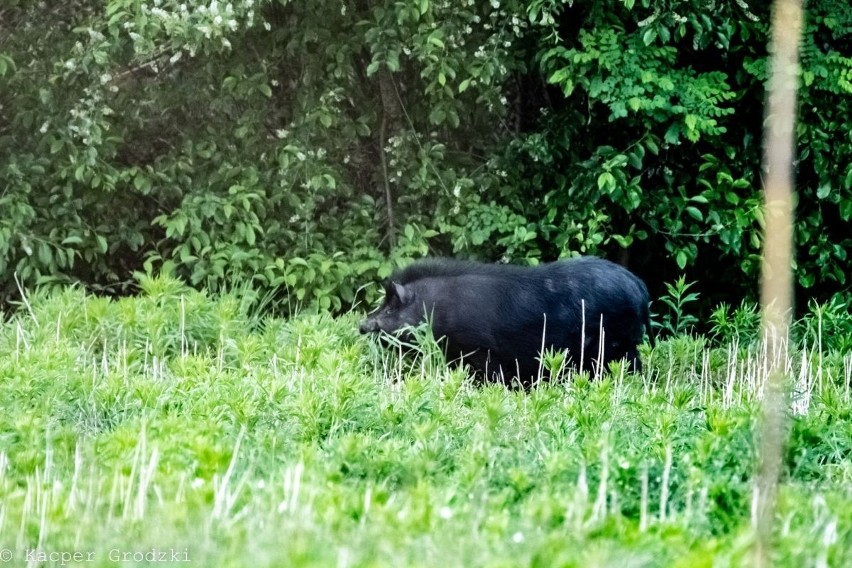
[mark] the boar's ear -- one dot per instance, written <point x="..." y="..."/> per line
<point x="401" y="292"/>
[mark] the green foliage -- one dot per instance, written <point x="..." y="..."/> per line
<point x="309" y="148"/>
<point x="173" y="419"/>
<point x="742" y="324"/>
<point x="677" y="319"/>
<point x="827" y="327"/>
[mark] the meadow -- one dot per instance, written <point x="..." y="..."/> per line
<point x="174" y="429"/>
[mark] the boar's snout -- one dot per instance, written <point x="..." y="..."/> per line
<point x="368" y="326"/>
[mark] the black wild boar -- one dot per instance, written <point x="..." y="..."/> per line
<point x="496" y="318"/>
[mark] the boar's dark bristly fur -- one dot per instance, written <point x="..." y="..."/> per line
<point x="496" y="318"/>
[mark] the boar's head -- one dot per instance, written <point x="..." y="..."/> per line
<point x="399" y="312"/>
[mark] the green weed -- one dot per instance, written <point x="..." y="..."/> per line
<point x="196" y="425"/>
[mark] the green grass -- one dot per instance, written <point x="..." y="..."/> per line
<point x="177" y="422"/>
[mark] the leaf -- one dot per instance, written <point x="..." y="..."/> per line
<point x="453" y="118"/>
<point x="606" y="182"/>
<point x="392" y="61"/>
<point x="266" y="90"/>
<point x="72" y="240"/>
<point x="635" y="160"/>
<point x="142" y="183"/>
<point x="230" y="83"/>
<point x="44" y="254"/>
<point x="559" y="76"/>
<point x="6" y="63"/>
<point x="437" y="116"/>
<point x="436" y="41"/>
<point x="846" y="209"/>
<point x="695" y="213"/>
<point x="652" y="147"/>
<point x="673" y="134"/>
<point x="680" y="259"/>
<point x="823" y="191"/>
<point x="665" y="84"/>
<point x="424" y="6"/>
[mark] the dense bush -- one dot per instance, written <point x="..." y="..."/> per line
<point x="308" y="146"/>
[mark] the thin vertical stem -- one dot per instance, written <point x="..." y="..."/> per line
<point x="777" y="281"/>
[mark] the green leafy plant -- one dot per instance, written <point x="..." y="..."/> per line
<point x="676" y="319"/>
<point x="741" y="324"/>
<point x="826" y="327"/>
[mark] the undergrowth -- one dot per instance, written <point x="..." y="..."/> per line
<point x="197" y="426"/>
